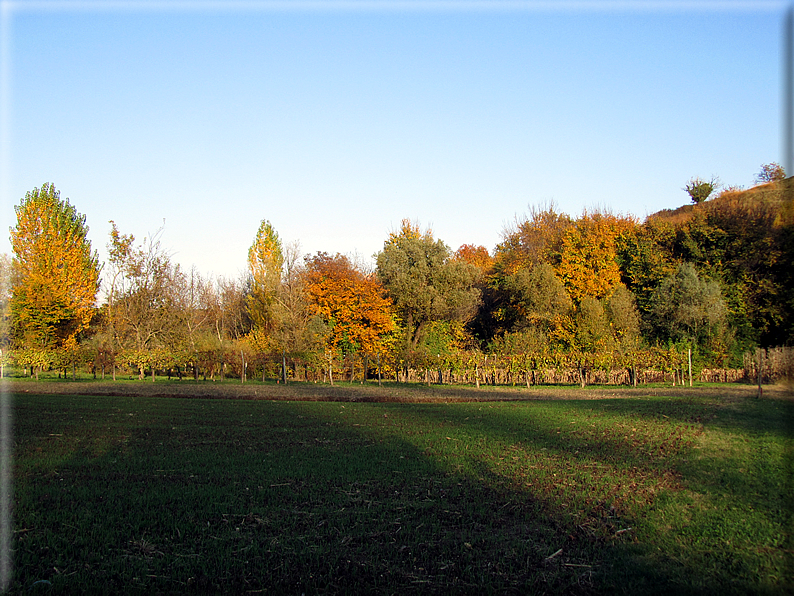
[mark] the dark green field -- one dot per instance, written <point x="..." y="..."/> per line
<point x="688" y="492"/>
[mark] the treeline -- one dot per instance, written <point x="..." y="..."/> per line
<point x="593" y="297"/>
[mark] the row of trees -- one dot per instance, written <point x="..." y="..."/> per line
<point x="595" y="291"/>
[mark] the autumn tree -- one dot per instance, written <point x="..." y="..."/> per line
<point x="589" y="261"/>
<point x="353" y="305"/>
<point x="535" y="239"/>
<point x="6" y="268"/>
<point x="474" y="255"/>
<point x="770" y="172"/>
<point x="424" y="282"/>
<point x="56" y="275"/>
<point x="265" y="262"/>
<point x="145" y="299"/>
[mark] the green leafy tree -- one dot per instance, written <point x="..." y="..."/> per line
<point x="624" y="322"/>
<point x="56" y="274"/>
<point x="686" y="308"/>
<point x="424" y="283"/>
<point x="540" y="301"/>
<point x="699" y="190"/>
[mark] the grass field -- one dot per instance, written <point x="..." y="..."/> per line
<point x="685" y="491"/>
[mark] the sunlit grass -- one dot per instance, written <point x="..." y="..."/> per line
<point x="651" y="495"/>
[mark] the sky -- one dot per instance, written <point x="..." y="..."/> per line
<point x="337" y="120"/>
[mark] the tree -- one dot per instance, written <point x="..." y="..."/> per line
<point x="145" y="301"/>
<point x="770" y="172"/>
<point x="535" y="239"/>
<point x="474" y="255"/>
<point x="699" y="190"/>
<point x="299" y="329"/>
<point x="589" y="260"/>
<point x="624" y="321"/>
<point x="540" y="301"/>
<point x="353" y="305"/>
<point x="687" y="308"/>
<point x="56" y="274"/>
<point x="424" y="283"/>
<point x="6" y="268"/>
<point x="265" y="262"/>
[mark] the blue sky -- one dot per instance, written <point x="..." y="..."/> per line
<point x="336" y="121"/>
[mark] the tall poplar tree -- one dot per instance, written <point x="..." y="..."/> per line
<point x="265" y="263"/>
<point x="56" y="274"/>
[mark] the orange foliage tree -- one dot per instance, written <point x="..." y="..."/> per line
<point x="474" y="255"/>
<point x="353" y="305"/>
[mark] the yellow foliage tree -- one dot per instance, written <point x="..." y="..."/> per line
<point x="56" y="275"/>
<point x="588" y="263"/>
<point x="265" y="263"/>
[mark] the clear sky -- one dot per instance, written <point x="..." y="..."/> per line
<point x="337" y="120"/>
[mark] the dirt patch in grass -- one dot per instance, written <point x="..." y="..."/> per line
<point x="389" y="392"/>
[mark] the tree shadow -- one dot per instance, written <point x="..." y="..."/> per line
<point x="156" y="495"/>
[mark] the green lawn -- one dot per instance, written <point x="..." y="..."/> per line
<point x="677" y="494"/>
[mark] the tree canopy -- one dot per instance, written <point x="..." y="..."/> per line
<point x="56" y="274"/>
<point x="424" y="282"/>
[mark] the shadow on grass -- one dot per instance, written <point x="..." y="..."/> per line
<point x="155" y="496"/>
<point x="723" y="512"/>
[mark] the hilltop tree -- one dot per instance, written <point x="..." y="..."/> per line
<point x="699" y="190"/>
<point x="56" y="275"/>
<point x="770" y="172"/>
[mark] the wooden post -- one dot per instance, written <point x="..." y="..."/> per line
<point x="760" y="373"/>
<point x="242" y="367"/>
<point x="689" y="356"/>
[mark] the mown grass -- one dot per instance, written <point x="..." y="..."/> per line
<point x="672" y="494"/>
